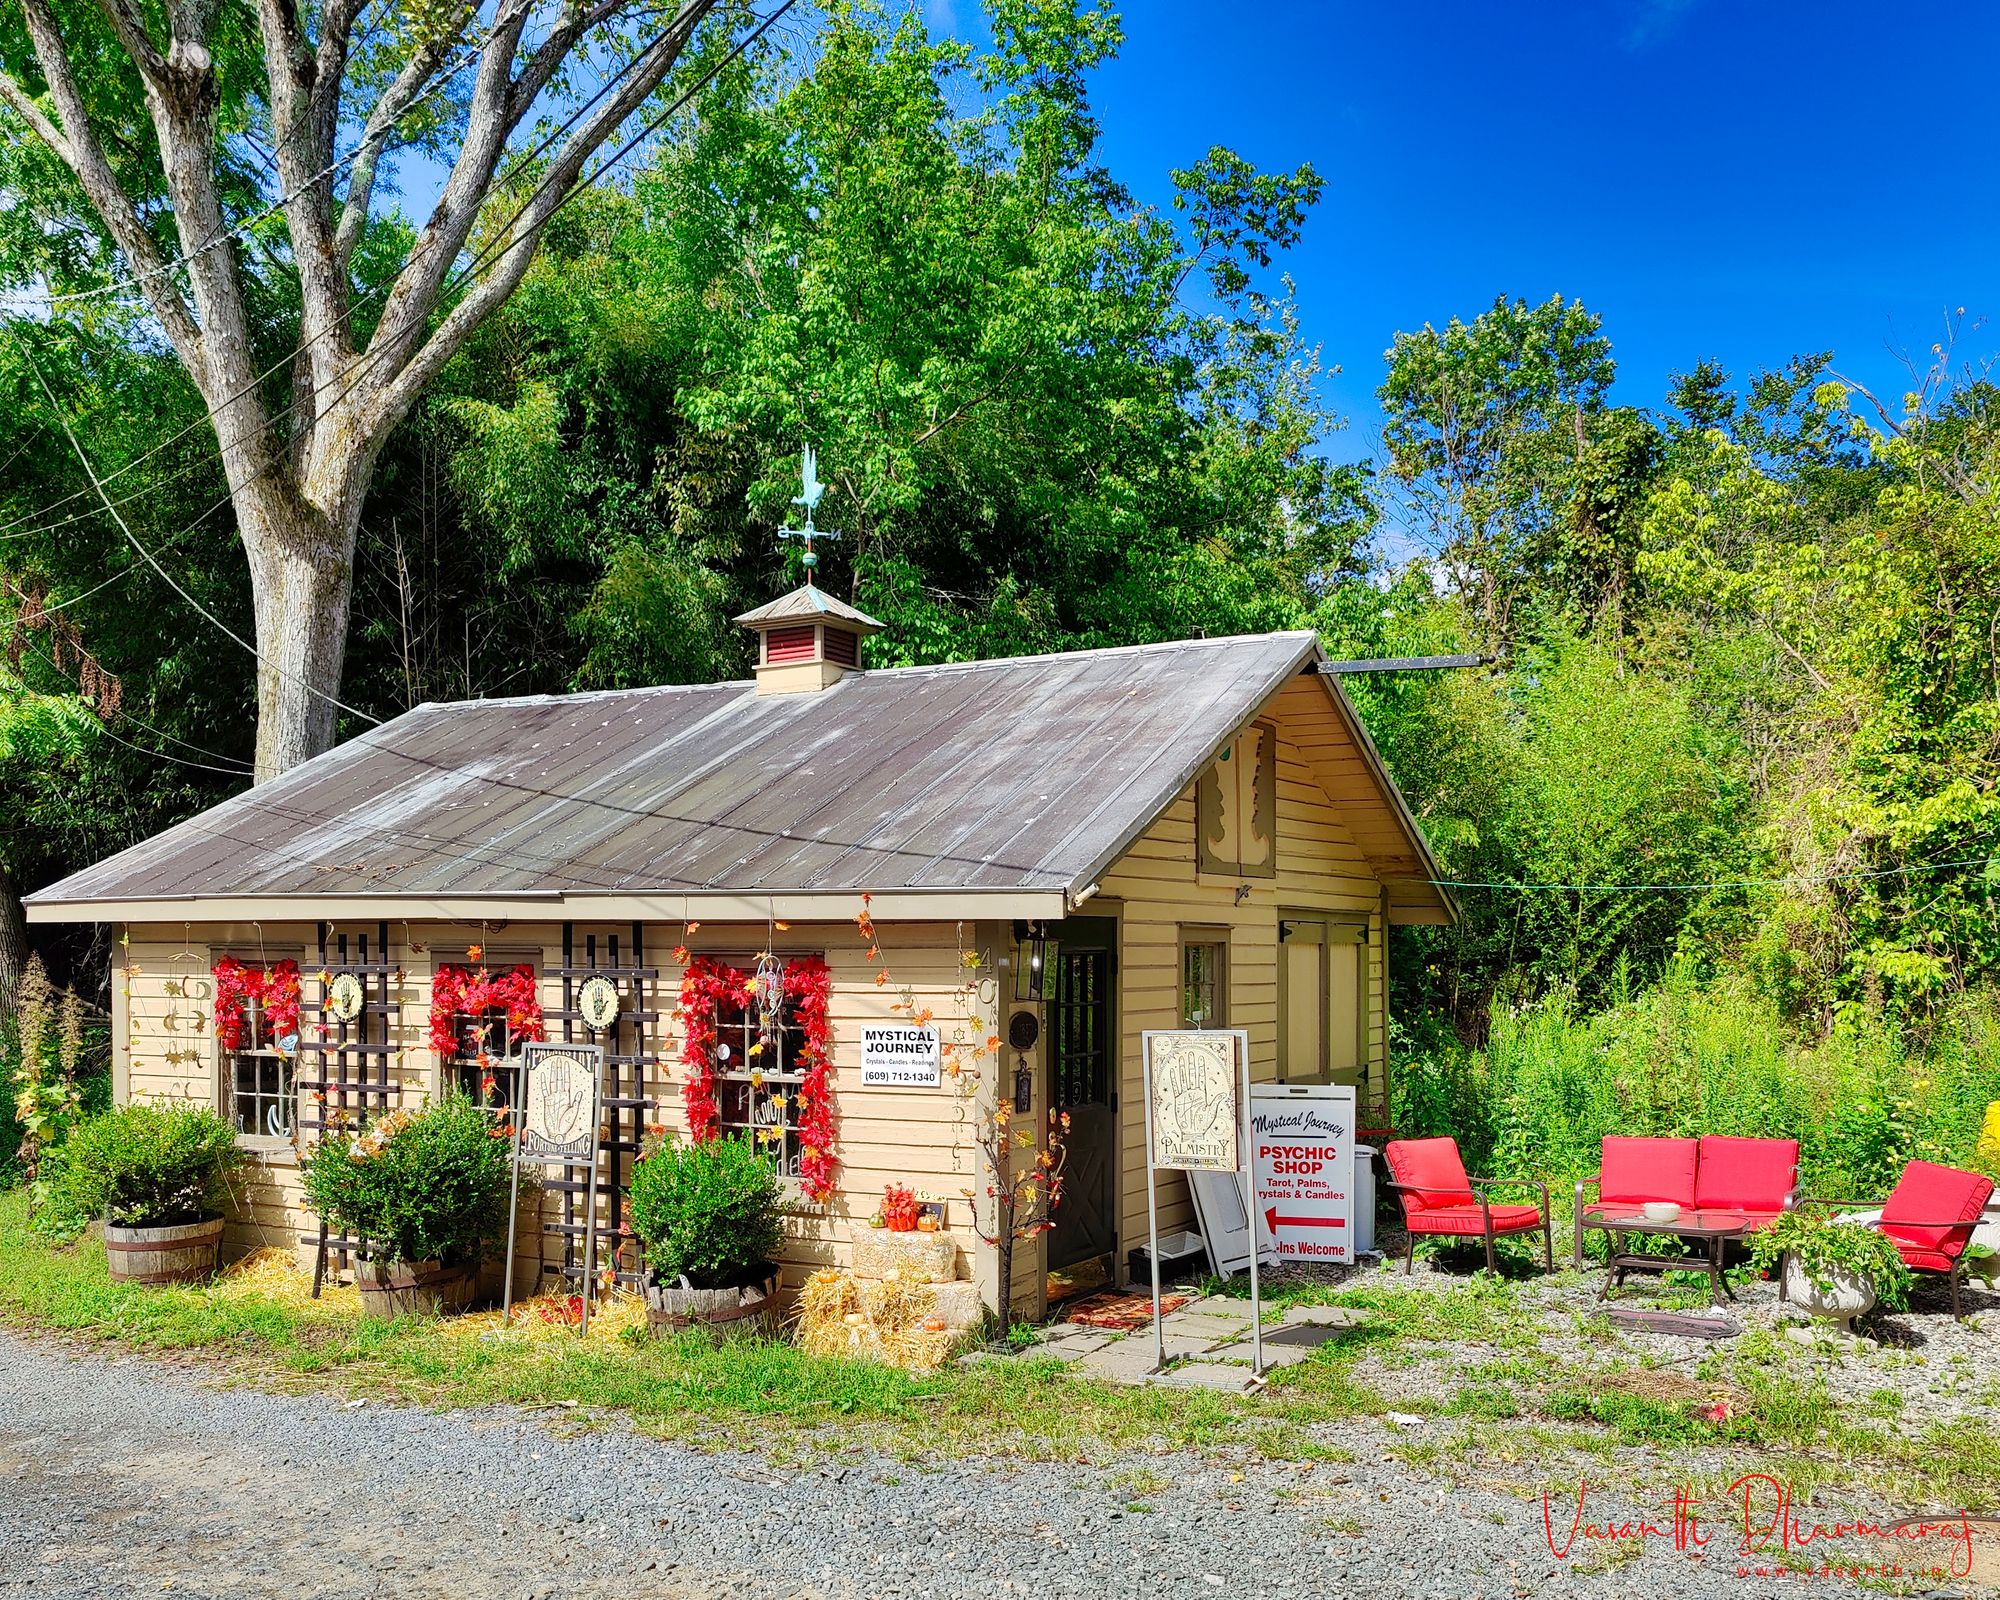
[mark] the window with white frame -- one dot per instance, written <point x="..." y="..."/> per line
<point x="1204" y="979"/>
<point x="259" y="1080"/>
<point x="757" y="1079"/>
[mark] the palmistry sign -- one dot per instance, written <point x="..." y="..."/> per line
<point x="1192" y="1076"/>
<point x="559" y="1102"/>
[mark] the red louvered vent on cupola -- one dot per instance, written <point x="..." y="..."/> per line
<point x="842" y="649"/>
<point x="783" y="646"/>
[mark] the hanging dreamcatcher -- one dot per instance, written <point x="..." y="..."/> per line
<point x="768" y="991"/>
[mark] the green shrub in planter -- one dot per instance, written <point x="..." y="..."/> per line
<point x="710" y="1212"/>
<point x="1822" y="1246"/>
<point x="147" y="1165"/>
<point x="429" y="1185"/>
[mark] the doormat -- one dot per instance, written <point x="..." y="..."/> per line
<point x="1685" y="1323"/>
<point x="1122" y="1311"/>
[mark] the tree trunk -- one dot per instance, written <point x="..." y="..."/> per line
<point x="302" y="584"/>
<point x="13" y="946"/>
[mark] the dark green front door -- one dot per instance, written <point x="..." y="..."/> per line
<point x="1083" y="1055"/>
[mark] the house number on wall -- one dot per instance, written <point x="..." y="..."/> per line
<point x="597" y="1002"/>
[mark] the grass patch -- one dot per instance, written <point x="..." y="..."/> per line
<point x="683" y="1387"/>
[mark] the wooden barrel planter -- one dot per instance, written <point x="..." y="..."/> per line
<point x="188" y="1252"/>
<point x="749" y="1309"/>
<point x="412" y="1289"/>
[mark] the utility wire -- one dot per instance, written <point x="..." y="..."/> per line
<point x="241" y="229"/>
<point x="498" y="245"/>
<point x="234" y="769"/>
<point x="1799" y="879"/>
<point x="502" y="242"/>
<point x="172" y="582"/>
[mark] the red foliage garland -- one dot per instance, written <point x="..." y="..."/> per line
<point x="712" y="991"/>
<point x="464" y="992"/>
<point x="274" y="989"/>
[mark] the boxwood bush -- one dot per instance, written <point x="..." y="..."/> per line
<point x="146" y="1165"/>
<point x="709" y="1212"/>
<point x="429" y="1185"/>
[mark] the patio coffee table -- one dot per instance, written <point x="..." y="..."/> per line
<point x="1706" y="1232"/>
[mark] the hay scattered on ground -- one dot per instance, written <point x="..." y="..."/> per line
<point x="1664" y="1386"/>
<point x="557" y="1315"/>
<point x="893" y="1320"/>
<point x="275" y="1274"/>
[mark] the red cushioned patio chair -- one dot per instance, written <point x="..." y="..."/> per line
<point x="1930" y="1214"/>
<point x="1438" y="1200"/>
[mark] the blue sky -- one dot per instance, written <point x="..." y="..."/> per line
<point x="1736" y="179"/>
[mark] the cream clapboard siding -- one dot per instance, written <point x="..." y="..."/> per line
<point x="1156" y="892"/>
<point x="922" y="1137"/>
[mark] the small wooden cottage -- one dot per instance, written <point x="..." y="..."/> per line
<point x="1037" y="857"/>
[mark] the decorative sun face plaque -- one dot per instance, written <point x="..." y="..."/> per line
<point x="597" y="1003"/>
<point x="1193" y="1080"/>
<point x="344" y="997"/>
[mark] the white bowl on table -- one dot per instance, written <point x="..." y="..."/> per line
<point x="1660" y="1211"/>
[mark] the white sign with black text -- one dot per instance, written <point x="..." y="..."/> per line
<point x="900" y="1056"/>
<point x="1302" y="1150"/>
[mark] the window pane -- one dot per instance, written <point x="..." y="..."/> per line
<point x="261" y="1094"/>
<point x="1201" y="985"/>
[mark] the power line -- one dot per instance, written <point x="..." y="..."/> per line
<point x="1796" y="879"/>
<point x="235" y="769"/>
<point x="498" y="245"/>
<point x="602" y="169"/>
<point x="172" y="583"/>
<point x="241" y="229"/>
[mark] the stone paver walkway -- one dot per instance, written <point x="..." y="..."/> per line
<point x="1208" y="1344"/>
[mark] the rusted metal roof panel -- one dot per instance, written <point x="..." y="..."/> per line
<point x="1024" y="774"/>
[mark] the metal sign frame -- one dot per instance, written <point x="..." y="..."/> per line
<point x="1245" y="1168"/>
<point x="583" y="1152"/>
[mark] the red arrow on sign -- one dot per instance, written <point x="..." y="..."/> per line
<point x="1271" y="1216"/>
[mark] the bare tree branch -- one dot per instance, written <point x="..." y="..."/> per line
<point x="77" y="146"/>
<point x="646" y="74"/>
<point x="382" y="120"/>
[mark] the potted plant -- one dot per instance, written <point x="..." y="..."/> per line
<point x="710" y="1218"/>
<point x="159" y="1175"/>
<point x="425" y="1192"/>
<point x="1832" y="1269"/>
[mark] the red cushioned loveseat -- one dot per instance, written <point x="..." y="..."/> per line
<point x="1744" y="1180"/>
<point x="1439" y="1200"/>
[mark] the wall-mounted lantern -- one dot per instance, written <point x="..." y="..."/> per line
<point x="1034" y="956"/>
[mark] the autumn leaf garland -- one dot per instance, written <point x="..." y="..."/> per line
<point x="274" y="990"/>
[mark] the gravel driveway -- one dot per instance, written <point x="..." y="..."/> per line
<point x="126" y="1477"/>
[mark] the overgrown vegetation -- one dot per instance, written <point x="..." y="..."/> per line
<point x="1686" y="1056"/>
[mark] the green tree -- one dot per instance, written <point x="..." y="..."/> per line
<point x="1527" y="481"/>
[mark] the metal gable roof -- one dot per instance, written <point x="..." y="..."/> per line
<point x="1023" y="774"/>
